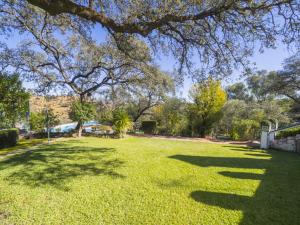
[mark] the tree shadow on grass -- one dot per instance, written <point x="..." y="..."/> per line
<point x="277" y="198"/>
<point x="258" y="154"/>
<point x="55" y="165"/>
<point x="241" y="175"/>
<point x="232" y="162"/>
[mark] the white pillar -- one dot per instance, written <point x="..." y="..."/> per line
<point x="264" y="142"/>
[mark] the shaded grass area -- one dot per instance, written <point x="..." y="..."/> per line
<point x="146" y="181"/>
<point x="22" y="144"/>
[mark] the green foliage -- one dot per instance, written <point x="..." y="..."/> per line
<point x="37" y="122"/>
<point x="13" y="100"/>
<point x="234" y="135"/>
<point x="121" y="122"/>
<point x="287" y="81"/>
<point x="238" y="91"/>
<point x="171" y="117"/>
<point x="238" y="110"/>
<point x="149" y="127"/>
<point x="244" y="129"/>
<point x="259" y="86"/>
<point x="9" y="138"/>
<point x="82" y="111"/>
<point x="208" y="99"/>
<point x="104" y="110"/>
<point x="40" y="120"/>
<point x="288" y="133"/>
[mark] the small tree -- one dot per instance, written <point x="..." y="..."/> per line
<point x="13" y="100"/>
<point x="36" y="122"/>
<point x="82" y="112"/>
<point x="209" y="98"/>
<point x="40" y="120"/>
<point x="122" y="122"/>
<point x="244" y="129"/>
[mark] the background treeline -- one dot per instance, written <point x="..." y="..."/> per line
<point x="235" y="111"/>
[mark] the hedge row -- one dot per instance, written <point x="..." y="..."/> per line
<point x="149" y="127"/>
<point x="288" y="133"/>
<point x="9" y="137"/>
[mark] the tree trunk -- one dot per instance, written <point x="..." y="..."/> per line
<point x="79" y="131"/>
<point x="79" y="128"/>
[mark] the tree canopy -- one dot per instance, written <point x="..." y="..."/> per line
<point x="60" y="52"/>
<point x="208" y="99"/>
<point x="13" y="100"/>
<point x="287" y="81"/>
<point x="82" y="112"/>
<point x="223" y="33"/>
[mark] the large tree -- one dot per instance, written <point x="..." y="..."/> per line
<point x="223" y="32"/>
<point x="208" y="99"/>
<point x="59" y="52"/>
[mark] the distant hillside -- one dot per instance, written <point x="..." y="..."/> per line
<point x="59" y="104"/>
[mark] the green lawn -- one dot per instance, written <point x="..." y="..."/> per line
<point x="22" y="144"/>
<point x="149" y="181"/>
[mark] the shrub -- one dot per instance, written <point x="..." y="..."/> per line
<point x="288" y="133"/>
<point x="121" y="122"/>
<point x="234" y="135"/>
<point x="149" y="127"/>
<point x="244" y="129"/>
<point x="9" y="138"/>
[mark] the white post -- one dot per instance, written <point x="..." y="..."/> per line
<point x="264" y="140"/>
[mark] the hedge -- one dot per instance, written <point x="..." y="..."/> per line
<point x="9" y="137"/>
<point x="288" y="133"/>
<point x="149" y="127"/>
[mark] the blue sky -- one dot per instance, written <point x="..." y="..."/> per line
<point x="270" y="59"/>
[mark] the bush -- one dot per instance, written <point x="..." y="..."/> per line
<point x="9" y="138"/>
<point x="288" y="133"/>
<point x="39" y="121"/>
<point x="121" y="122"/>
<point x="149" y="127"/>
<point x="234" y="135"/>
<point x="244" y="129"/>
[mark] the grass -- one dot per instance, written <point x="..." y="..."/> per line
<point x="149" y="181"/>
<point x="22" y="144"/>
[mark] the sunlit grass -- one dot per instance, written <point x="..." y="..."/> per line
<point x="149" y="181"/>
<point x="22" y="144"/>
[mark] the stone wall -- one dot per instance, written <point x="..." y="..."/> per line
<point x="287" y="144"/>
